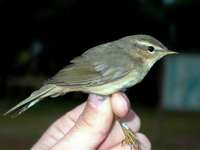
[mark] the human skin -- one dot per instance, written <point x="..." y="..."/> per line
<point x="92" y="125"/>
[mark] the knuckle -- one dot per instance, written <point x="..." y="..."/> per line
<point x="91" y="127"/>
<point x="84" y="121"/>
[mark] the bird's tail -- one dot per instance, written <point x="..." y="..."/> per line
<point x="36" y="96"/>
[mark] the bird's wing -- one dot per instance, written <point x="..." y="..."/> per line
<point x="99" y="65"/>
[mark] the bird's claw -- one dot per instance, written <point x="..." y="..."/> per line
<point x="130" y="137"/>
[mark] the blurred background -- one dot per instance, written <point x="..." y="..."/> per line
<point x="38" y="38"/>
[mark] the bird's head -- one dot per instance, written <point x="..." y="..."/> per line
<point x="147" y="48"/>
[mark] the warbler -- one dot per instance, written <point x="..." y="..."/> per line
<point x="103" y="70"/>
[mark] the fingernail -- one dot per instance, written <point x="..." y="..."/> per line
<point x="96" y="100"/>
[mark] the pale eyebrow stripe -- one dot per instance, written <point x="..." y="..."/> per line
<point x="146" y="43"/>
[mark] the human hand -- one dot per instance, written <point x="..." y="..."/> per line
<point x="92" y="126"/>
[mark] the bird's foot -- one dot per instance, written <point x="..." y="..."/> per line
<point x="130" y="137"/>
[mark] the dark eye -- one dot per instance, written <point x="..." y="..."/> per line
<point x="151" y="48"/>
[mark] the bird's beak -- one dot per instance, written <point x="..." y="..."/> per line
<point x="169" y="52"/>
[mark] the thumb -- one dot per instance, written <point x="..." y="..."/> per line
<point x="92" y="126"/>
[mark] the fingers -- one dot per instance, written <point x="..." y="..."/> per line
<point x="132" y="121"/>
<point x="62" y="126"/>
<point x="92" y="126"/>
<point x="145" y="144"/>
<point x="120" y="104"/>
<point x="116" y="134"/>
<point x="59" y="128"/>
<point x="120" y="146"/>
<point x="121" y="107"/>
<point x="67" y="121"/>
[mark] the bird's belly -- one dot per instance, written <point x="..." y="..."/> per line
<point x="106" y="89"/>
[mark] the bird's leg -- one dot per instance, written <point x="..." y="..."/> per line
<point x="130" y="137"/>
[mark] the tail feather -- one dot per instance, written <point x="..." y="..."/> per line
<point x="35" y="97"/>
<point x="24" y="108"/>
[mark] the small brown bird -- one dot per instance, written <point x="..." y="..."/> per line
<point x="103" y="70"/>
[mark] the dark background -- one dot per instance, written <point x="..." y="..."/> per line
<point x="65" y="29"/>
<point x="38" y="38"/>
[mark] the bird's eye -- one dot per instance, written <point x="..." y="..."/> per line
<point x="151" y="48"/>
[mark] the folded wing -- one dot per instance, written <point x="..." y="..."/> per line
<point x="99" y="65"/>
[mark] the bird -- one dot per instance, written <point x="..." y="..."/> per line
<point x="103" y="70"/>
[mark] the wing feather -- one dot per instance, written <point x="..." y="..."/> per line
<point x="96" y="66"/>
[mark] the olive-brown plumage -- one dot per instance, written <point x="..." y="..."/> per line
<point x="103" y="69"/>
